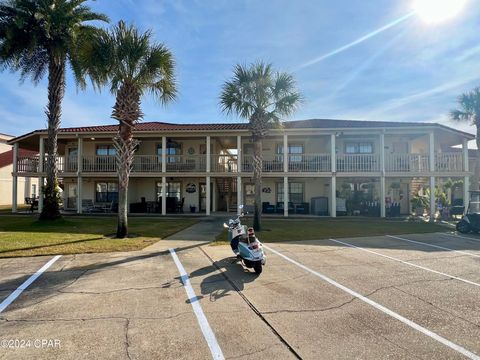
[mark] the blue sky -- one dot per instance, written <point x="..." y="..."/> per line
<point x="410" y="72"/>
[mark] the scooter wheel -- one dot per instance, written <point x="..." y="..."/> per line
<point x="258" y="267"/>
<point x="463" y="227"/>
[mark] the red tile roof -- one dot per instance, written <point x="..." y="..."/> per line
<point x="6" y="158"/>
<point x="156" y="126"/>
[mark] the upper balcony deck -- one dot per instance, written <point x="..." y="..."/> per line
<point x="228" y="164"/>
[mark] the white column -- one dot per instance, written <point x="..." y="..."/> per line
<point x="41" y="162"/>
<point x="333" y="197"/>
<point x="208" y="195"/>
<point x="15" y="179"/>
<point x="214" y="195"/>
<point x="239" y="194"/>
<point x="209" y="157"/>
<point x="285" y="195"/>
<point x="285" y="152"/>
<point x="466" y="191"/>
<point x="239" y="153"/>
<point x="382" y="176"/>
<point x="431" y="148"/>
<point x="79" y="194"/>
<point x="465" y="155"/>
<point x="164" y="157"/>
<point x="333" y="184"/>
<point x="79" y="175"/>
<point x="432" y="198"/>
<point x="164" y="194"/>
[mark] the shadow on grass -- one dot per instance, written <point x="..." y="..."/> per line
<point x="49" y="245"/>
<point x="51" y="282"/>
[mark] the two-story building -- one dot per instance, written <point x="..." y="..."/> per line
<point x="317" y="166"/>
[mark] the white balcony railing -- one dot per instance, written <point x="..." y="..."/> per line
<point x="449" y="162"/>
<point x="309" y="163"/>
<point x="186" y="163"/>
<point x="358" y="162"/>
<point x="147" y="163"/>
<point x="99" y="164"/>
<point x="220" y="163"/>
<point x="407" y="163"/>
<point x="223" y="163"/>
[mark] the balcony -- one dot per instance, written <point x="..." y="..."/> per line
<point x="228" y="163"/>
<point x="358" y="163"/>
<point x="407" y="163"/>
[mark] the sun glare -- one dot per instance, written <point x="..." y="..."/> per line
<point x="435" y="11"/>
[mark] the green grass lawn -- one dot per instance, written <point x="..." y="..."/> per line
<point x="26" y="236"/>
<point x="324" y="228"/>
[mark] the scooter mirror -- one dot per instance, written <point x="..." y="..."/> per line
<point x="225" y="226"/>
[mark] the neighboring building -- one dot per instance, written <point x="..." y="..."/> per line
<point x="27" y="187"/>
<point x="332" y="166"/>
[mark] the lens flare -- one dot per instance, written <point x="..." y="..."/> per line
<point x="435" y="11"/>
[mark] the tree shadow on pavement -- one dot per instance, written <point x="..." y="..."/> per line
<point x="227" y="275"/>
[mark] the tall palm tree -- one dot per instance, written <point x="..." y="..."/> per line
<point x="39" y="37"/>
<point x="261" y="96"/>
<point x="132" y="65"/>
<point x="469" y="111"/>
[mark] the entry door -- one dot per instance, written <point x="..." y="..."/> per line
<point x="72" y="159"/>
<point x="203" y="196"/>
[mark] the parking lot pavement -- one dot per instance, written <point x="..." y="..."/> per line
<point x="307" y="304"/>
<point x="318" y="318"/>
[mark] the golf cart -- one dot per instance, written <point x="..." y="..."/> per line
<point x="471" y="219"/>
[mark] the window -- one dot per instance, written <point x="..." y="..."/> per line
<point x="106" y="192"/>
<point x="295" y="152"/>
<point x="106" y="150"/>
<point x="295" y="192"/>
<point x="34" y="190"/>
<point x="173" y="148"/>
<point x="359" y="148"/>
<point x="173" y="190"/>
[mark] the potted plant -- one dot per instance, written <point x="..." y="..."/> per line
<point x="193" y="208"/>
<point x="419" y="203"/>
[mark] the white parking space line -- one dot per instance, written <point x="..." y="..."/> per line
<point x="407" y="263"/>
<point x="433" y="246"/>
<point x="382" y="308"/>
<point x="11" y="298"/>
<point x="459" y="236"/>
<point x="202" y="319"/>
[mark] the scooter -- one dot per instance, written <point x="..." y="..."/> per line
<point x="245" y="244"/>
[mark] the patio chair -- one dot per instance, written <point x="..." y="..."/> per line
<point x="267" y="208"/>
<point x="179" y="206"/>
<point x="87" y="205"/>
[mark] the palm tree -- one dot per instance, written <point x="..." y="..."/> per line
<point x="132" y="65"/>
<point x="40" y="36"/>
<point x="469" y="111"/>
<point x="261" y="96"/>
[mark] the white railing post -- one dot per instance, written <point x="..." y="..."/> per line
<point x="285" y="153"/>
<point x="208" y="162"/>
<point x="15" y="179"/>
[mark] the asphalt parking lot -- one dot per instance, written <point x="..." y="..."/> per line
<point x="402" y="297"/>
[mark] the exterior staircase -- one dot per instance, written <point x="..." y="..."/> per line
<point x="227" y="189"/>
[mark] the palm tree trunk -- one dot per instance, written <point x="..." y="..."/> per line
<point x="257" y="178"/>
<point x="56" y="92"/>
<point x="127" y="112"/>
